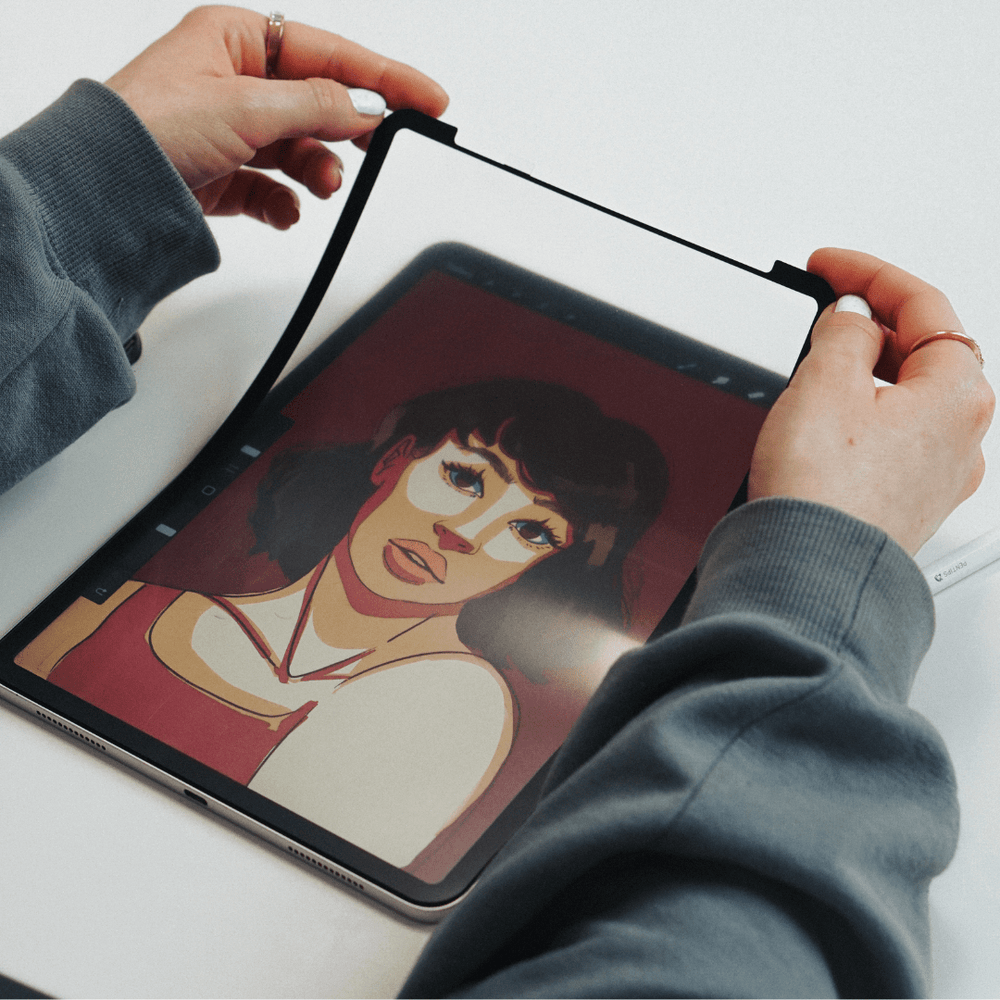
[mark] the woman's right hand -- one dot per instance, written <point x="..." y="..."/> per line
<point x="202" y="92"/>
<point x="900" y="456"/>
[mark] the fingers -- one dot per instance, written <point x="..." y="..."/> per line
<point x="949" y="365"/>
<point x="202" y="93"/>
<point x="910" y="308"/>
<point x="949" y="381"/>
<point x="306" y="161"/>
<point x="248" y="192"/>
<point x="901" y="456"/>
<point x="897" y="297"/>
<point x="269" y="110"/>
<point x="845" y="346"/>
<point x="947" y="374"/>
<point x="310" y="52"/>
<point x="317" y="70"/>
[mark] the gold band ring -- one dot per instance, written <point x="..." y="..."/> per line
<point x="272" y="43"/>
<point x="950" y="335"/>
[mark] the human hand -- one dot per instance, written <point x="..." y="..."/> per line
<point x="201" y="91"/>
<point x="901" y="456"/>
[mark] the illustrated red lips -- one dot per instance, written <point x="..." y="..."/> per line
<point x="414" y="562"/>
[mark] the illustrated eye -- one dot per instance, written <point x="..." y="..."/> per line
<point x="536" y="533"/>
<point x="465" y="479"/>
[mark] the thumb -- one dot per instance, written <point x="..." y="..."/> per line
<point x="829" y="400"/>
<point x="324" y="109"/>
<point x="845" y="346"/>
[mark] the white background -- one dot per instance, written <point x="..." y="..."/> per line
<point x="761" y="130"/>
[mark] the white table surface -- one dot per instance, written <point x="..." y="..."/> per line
<point x="762" y="130"/>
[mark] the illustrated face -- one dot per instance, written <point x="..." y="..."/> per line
<point x="452" y="525"/>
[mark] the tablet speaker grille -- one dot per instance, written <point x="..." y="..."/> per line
<point x="89" y="740"/>
<point x="327" y="869"/>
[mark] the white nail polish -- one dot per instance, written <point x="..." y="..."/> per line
<point x="853" y="304"/>
<point x="366" y="102"/>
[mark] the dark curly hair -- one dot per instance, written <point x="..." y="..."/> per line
<point x="608" y="478"/>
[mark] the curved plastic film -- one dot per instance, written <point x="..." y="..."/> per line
<point x="367" y="616"/>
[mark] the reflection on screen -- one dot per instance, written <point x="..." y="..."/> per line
<point x="389" y="607"/>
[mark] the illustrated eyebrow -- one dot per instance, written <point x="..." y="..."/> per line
<point x="548" y="505"/>
<point x="502" y="471"/>
<point x="498" y="467"/>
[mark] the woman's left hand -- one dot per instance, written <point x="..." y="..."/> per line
<point x="202" y="92"/>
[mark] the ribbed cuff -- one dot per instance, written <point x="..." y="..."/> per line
<point x="121" y="222"/>
<point x="825" y="576"/>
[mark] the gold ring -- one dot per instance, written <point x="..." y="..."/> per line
<point x="272" y="43"/>
<point x="950" y="335"/>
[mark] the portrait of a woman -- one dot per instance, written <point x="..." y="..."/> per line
<point x="483" y="528"/>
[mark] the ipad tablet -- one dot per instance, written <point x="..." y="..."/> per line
<point x="366" y="617"/>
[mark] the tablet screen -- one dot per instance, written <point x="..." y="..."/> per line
<point x="384" y="610"/>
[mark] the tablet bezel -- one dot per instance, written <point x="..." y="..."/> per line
<point x="197" y="782"/>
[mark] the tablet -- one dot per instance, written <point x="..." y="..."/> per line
<point x="366" y="617"/>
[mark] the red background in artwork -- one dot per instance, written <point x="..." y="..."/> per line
<point x="444" y="333"/>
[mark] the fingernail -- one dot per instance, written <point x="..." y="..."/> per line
<point x="853" y="304"/>
<point x="366" y="102"/>
<point x="334" y="178"/>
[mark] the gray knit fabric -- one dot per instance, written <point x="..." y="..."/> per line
<point x="96" y="227"/>
<point x="746" y="808"/>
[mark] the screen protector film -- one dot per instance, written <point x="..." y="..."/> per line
<point x="429" y="194"/>
<point x="369" y="616"/>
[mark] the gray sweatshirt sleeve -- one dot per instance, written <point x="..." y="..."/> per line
<point x="96" y="226"/>
<point x="747" y="807"/>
